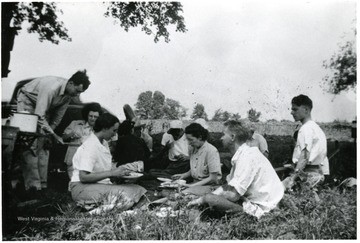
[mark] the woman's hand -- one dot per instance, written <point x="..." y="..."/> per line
<point x="177" y="177"/>
<point x="182" y="157"/>
<point x="118" y="172"/>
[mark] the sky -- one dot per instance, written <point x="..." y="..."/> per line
<point x="236" y="55"/>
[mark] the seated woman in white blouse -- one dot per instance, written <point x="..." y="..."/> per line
<point x="92" y="163"/>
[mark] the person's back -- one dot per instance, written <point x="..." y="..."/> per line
<point x="130" y="148"/>
<point x="254" y="176"/>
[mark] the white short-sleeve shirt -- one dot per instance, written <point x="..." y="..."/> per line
<point x="178" y="147"/>
<point x="259" y="141"/>
<point x="313" y="139"/>
<point x="253" y="177"/>
<point x="92" y="156"/>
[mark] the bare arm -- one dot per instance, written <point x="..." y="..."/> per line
<point x="209" y="180"/>
<point x="93" y="177"/>
<point x="300" y="165"/>
<point x="181" y="176"/>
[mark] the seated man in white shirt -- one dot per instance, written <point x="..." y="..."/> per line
<point x="175" y="144"/>
<point x="252" y="185"/>
<point x="310" y="152"/>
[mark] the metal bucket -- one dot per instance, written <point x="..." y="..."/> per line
<point x="27" y="122"/>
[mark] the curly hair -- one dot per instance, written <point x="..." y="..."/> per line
<point x="96" y="107"/>
<point x="80" y="77"/>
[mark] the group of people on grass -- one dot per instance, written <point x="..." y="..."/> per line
<point x="102" y="150"/>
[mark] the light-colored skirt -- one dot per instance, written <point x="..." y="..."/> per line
<point x="95" y="193"/>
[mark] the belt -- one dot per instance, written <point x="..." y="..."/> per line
<point x="312" y="167"/>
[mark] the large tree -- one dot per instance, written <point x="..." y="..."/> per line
<point x="173" y="110"/>
<point x="154" y="106"/>
<point x="42" y="18"/>
<point x="343" y="68"/>
<point x="154" y="19"/>
<point x="199" y="112"/>
<point x="144" y="105"/>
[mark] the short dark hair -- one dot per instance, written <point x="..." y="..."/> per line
<point x="96" y="107"/>
<point x="125" y="128"/>
<point x="105" y="121"/>
<point x="302" y="100"/>
<point x="197" y="131"/>
<point x="80" y="77"/>
<point x="241" y="131"/>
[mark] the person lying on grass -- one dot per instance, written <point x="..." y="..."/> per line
<point x="92" y="168"/>
<point x="205" y="167"/>
<point x="252" y="185"/>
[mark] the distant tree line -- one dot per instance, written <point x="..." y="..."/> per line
<point x="154" y="105"/>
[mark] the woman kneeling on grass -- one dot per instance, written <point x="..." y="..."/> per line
<point x="90" y="181"/>
<point x="205" y="166"/>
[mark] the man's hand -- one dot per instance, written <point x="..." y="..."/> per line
<point x="168" y="145"/>
<point x="57" y="138"/>
<point x="196" y="202"/>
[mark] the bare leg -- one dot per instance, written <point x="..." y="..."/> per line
<point x="220" y="203"/>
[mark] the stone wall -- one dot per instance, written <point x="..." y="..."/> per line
<point x="333" y="131"/>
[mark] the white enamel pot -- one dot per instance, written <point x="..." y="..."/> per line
<point x="27" y="122"/>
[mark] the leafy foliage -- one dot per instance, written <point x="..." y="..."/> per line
<point x="221" y="115"/>
<point x="173" y="110"/>
<point x="153" y="17"/>
<point x="253" y="115"/>
<point x="155" y="106"/>
<point x="43" y="20"/>
<point x="343" y="68"/>
<point x="199" y="112"/>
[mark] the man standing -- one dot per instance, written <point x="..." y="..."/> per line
<point x="310" y="152"/>
<point x="48" y="97"/>
<point x="252" y="185"/>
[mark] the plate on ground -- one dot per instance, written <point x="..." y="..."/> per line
<point x="164" y="179"/>
<point x="132" y="175"/>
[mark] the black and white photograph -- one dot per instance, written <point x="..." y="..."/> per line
<point x="182" y="120"/>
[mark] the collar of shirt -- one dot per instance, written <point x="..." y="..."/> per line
<point x="63" y="86"/>
<point x="95" y="139"/>
<point x="238" y="152"/>
<point x="87" y="125"/>
<point x="197" y="150"/>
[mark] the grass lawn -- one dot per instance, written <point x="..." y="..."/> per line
<point x="302" y="214"/>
